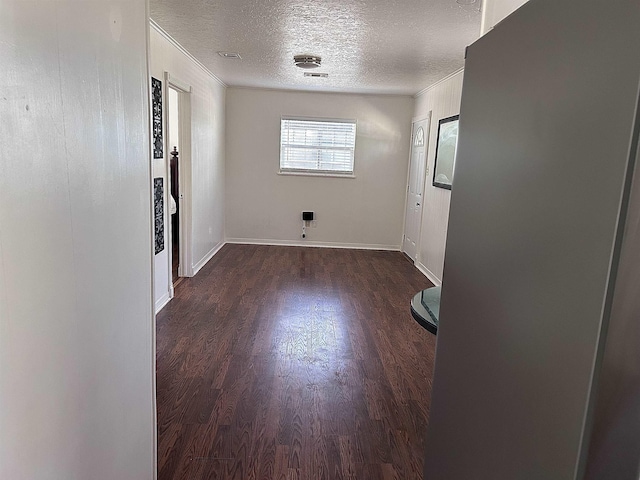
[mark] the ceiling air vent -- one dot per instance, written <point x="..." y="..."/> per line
<point x="230" y="55"/>
<point x="317" y="75"/>
<point x="307" y="61"/>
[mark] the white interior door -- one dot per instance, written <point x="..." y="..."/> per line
<point x="415" y="187"/>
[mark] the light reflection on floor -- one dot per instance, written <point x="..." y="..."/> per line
<point x="311" y="338"/>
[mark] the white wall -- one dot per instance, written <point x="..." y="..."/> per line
<point x="207" y="156"/>
<point x="366" y="211"/>
<point x="77" y="385"/>
<point x="494" y="11"/>
<point x="443" y="100"/>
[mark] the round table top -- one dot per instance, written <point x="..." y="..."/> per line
<point x="425" y="308"/>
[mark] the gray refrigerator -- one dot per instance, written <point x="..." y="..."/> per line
<point x="537" y="372"/>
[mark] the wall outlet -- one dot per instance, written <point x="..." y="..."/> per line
<point x="314" y="224"/>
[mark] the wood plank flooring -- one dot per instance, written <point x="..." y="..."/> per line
<point x="294" y="363"/>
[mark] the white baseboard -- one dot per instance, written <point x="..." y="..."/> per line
<point x="162" y="301"/>
<point x="429" y="274"/>
<point x="207" y="257"/>
<point x="288" y="243"/>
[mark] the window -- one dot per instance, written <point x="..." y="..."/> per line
<point x="317" y="146"/>
<point x="419" y="138"/>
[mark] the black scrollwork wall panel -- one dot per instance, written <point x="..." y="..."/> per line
<point x="158" y="208"/>
<point x="156" y="98"/>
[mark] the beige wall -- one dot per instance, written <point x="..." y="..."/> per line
<point x="207" y="155"/>
<point x="366" y="211"/>
<point x="532" y="259"/>
<point x="77" y="387"/>
<point x="442" y="100"/>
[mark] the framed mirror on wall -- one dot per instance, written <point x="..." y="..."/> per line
<point x="446" y="152"/>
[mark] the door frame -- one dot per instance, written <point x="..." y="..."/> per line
<point x="427" y="141"/>
<point x="185" y="268"/>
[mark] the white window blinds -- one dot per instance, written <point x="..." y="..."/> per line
<point x="317" y="145"/>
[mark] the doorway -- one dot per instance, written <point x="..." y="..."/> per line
<point x="174" y="182"/>
<point x="415" y="187"/>
<point x="178" y="167"/>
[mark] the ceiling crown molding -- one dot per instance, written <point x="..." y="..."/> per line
<point x="425" y="90"/>
<point x="184" y="51"/>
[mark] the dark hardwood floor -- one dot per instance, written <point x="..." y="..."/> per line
<point x="294" y="363"/>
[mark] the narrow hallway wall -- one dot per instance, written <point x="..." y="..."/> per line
<point x="77" y="390"/>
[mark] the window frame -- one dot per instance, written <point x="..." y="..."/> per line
<point x="317" y="172"/>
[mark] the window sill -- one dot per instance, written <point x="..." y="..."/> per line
<point x="317" y="174"/>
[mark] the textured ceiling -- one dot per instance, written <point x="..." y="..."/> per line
<point x="368" y="46"/>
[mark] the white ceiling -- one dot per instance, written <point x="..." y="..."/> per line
<point x="367" y="46"/>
